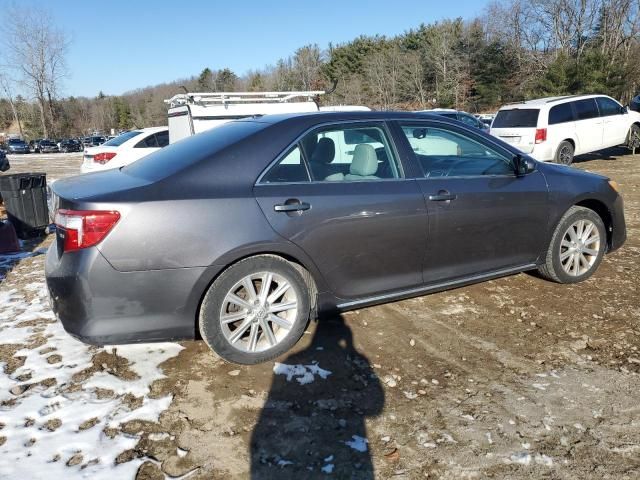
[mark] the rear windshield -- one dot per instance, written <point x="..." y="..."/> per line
<point x="191" y="150"/>
<point x="517" y="117"/>
<point x="120" y="139"/>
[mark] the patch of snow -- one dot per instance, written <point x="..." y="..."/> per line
<point x="42" y="422"/>
<point x="525" y="458"/>
<point x="358" y="443"/>
<point x="328" y="468"/>
<point x="181" y="452"/>
<point x="283" y="463"/>
<point x="304" y="374"/>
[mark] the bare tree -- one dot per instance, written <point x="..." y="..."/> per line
<point x="6" y="89"/>
<point x="306" y="65"/>
<point x="36" y="51"/>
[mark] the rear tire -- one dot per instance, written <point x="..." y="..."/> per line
<point x="243" y="323"/>
<point x="564" y="154"/>
<point x="577" y="247"/>
<point x="633" y="138"/>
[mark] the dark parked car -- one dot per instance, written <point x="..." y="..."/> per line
<point x="70" y="145"/>
<point x="93" y="141"/>
<point x="4" y="162"/>
<point x="243" y="232"/>
<point x="17" y="145"/>
<point x="463" y="117"/>
<point x="43" y="146"/>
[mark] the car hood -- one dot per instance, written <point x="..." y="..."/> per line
<point x="557" y="169"/>
<point x="99" y="186"/>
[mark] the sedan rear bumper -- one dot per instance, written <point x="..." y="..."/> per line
<point x="100" y="305"/>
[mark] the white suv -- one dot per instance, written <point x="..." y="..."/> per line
<point x="555" y="129"/>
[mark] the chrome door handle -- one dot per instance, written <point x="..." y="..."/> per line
<point x="292" y="207"/>
<point x="442" y="197"/>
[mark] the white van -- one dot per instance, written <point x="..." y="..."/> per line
<point x="557" y="128"/>
<point x="191" y="113"/>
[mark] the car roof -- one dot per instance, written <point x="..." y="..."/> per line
<point x="311" y="118"/>
<point x="150" y="129"/>
<point x="541" y="102"/>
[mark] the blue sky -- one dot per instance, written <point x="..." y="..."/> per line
<point x="122" y="45"/>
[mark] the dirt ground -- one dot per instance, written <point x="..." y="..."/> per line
<point x="512" y="378"/>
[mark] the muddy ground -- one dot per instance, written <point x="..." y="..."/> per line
<point x="511" y="378"/>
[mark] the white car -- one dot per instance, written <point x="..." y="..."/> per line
<point x="124" y="149"/>
<point x="557" y="128"/>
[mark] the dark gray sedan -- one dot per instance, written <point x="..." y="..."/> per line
<point x="243" y="233"/>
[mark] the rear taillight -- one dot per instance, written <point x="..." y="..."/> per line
<point x="103" y="157"/>
<point x="84" y="228"/>
<point x="541" y="135"/>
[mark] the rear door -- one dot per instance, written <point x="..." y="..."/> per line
<point x="588" y="126"/>
<point x="517" y="126"/>
<point x="482" y="217"/>
<point x="363" y="224"/>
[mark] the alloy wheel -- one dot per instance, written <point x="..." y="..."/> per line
<point x="579" y="248"/>
<point x="258" y="312"/>
<point x="566" y="155"/>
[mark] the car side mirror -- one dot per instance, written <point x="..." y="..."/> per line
<point x="522" y="165"/>
<point x="624" y="110"/>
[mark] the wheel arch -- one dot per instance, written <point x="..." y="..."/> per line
<point x="289" y="252"/>
<point x="603" y="212"/>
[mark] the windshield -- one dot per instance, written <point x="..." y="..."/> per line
<point x="120" y="139"/>
<point x="191" y="150"/>
<point x="16" y="141"/>
<point x="517" y="117"/>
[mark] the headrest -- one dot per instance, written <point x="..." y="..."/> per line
<point x="365" y="160"/>
<point x="324" y="152"/>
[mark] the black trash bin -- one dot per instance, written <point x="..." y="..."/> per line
<point x="25" y="198"/>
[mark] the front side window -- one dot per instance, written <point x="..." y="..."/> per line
<point x="608" y="107"/>
<point x="560" y="114"/>
<point x="586" y="109"/>
<point x="445" y="153"/>
<point x="350" y="153"/>
<point x="290" y="169"/>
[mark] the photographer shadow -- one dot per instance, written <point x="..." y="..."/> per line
<point x="313" y="422"/>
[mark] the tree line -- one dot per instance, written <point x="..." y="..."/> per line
<point x="514" y="50"/>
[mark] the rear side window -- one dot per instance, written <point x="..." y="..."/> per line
<point x="350" y="153"/>
<point x="607" y="106"/>
<point x="290" y="168"/>
<point x="162" y="138"/>
<point x="120" y="139"/>
<point x="149" y="142"/>
<point x="586" y="109"/>
<point x="517" y="117"/>
<point x="560" y="114"/>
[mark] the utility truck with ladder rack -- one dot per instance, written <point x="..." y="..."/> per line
<point x="191" y="113"/>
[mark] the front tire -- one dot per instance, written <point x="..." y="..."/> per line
<point x="256" y="310"/>
<point x="577" y="247"/>
<point x="564" y="154"/>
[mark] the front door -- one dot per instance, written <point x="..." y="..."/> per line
<point x="356" y="216"/>
<point x="482" y="217"/>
